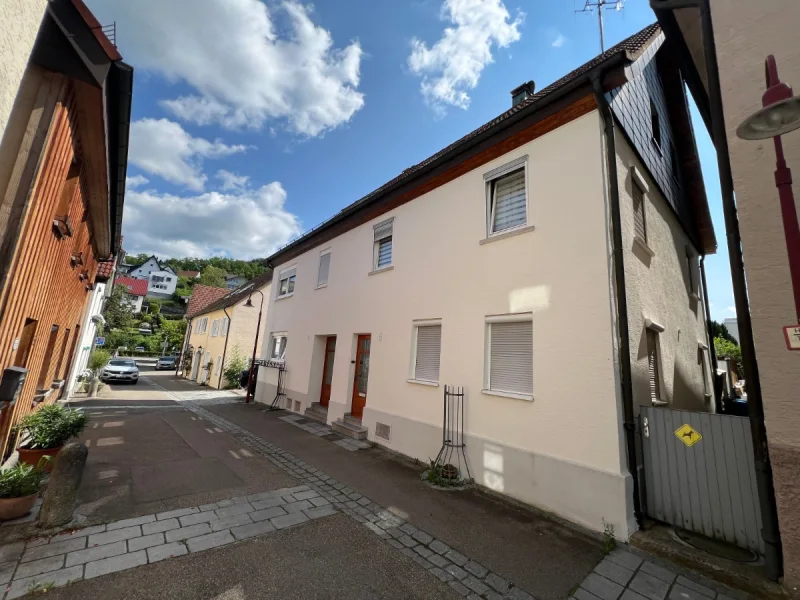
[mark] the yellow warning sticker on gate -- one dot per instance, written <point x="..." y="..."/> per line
<point x="688" y="435"/>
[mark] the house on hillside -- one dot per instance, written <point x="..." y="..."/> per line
<point x="161" y="279"/>
<point x="64" y="128"/>
<point x="224" y="326"/>
<point x="137" y="291"/>
<point x="547" y="263"/>
<point x="235" y="281"/>
<point x="189" y="274"/>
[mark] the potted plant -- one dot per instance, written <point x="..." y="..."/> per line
<point x="45" y="431"/>
<point x="19" y="486"/>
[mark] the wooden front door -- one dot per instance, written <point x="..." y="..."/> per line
<point x="327" y="371"/>
<point x="361" y="376"/>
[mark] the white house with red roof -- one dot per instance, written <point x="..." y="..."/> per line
<point x="137" y="291"/>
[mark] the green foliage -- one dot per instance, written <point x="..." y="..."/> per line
<point x="118" y="313"/>
<point x="20" y="481"/>
<point x="98" y="359"/>
<point x="235" y="363"/>
<point x="442" y="475"/>
<point x="609" y="539"/>
<point x="52" y="426"/>
<point x="719" y="330"/>
<point x="727" y="349"/>
<point x="213" y="276"/>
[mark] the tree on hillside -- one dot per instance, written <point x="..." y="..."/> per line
<point x="213" y="276"/>
<point x="118" y="313"/>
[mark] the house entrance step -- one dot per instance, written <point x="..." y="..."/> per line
<point x="352" y="420"/>
<point x="317" y="412"/>
<point x="347" y="428"/>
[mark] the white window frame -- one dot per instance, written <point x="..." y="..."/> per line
<point x="290" y="276"/>
<point x="276" y="336"/>
<point x="487" y="361"/>
<point x="412" y="372"/>
<point x="489" y="179"/>
<point x="656" y="329"/>
<point x="376" y="244"/>
<point x="319" y="268"/>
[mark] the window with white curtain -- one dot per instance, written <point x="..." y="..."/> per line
<point x="509" y="360"/>
<point x="507" y="198"/>
<point x="324" y="268"/>
<point x="427" y="351"/>
<point x="277" y="346"/>
<point x="382" y="248"/>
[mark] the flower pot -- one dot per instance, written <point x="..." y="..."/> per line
<point x="14" y="508"/>
<point x="32" y="457"/>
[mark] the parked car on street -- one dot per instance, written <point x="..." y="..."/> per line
<point x="120" y="369"/>
<point x="165" y="362"/>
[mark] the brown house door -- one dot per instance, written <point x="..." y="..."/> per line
<point x="327" y="371"/>
<point x="361" y="376"/>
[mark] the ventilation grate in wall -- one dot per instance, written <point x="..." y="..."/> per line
<point x="383" y="431"/>
<point x="296" y="406"/>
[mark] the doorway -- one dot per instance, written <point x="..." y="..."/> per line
<point x="361" y="376"/>
<point x="198" y="356"/>
<point x="327" y="371"/>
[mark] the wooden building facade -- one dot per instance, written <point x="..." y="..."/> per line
<point x="61" y="203"/>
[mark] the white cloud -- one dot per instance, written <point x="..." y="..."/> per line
<point x="453" y="65"/>
<point x="242" y="224"/>
<point x="136" y="181"/>
<point x="559" y="41"/>
<point x="731" y="310"/>
<point x="162" y="147"/>
<point x="244" y="68"/>
<point x="232" y="181"/>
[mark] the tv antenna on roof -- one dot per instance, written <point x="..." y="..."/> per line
<point x="599" y="6"/>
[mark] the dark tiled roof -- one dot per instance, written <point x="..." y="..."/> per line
<point x="202" y="296"/>
<point x="630" y="47"/>
<point x="136" y="287"/>
<point x="104" y="269"/>
<point x="239" y="293"/>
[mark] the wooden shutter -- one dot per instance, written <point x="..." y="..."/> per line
<point x="324" y="268"/>
<point x="639" y="227"/>
<point x="510" y="205"/>
<point x="511" y="352"/>
<point x="652" y="365"/>
<point x="429" y="348"/>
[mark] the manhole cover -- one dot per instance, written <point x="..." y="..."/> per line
<point x="717" y="548"/>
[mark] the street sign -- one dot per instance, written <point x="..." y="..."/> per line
<point x="792" y="335"/>
<point x="101" y="341"/>
<point x="688" y="435"/>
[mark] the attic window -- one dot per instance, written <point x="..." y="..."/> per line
<point x="656" y="125"/>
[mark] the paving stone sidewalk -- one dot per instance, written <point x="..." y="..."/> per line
<point x="104" y="549"/>
<point x="625" y="575"/>
<point x="320" y="430"/>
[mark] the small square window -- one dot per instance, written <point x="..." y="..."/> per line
<point x="507" y="201"/>
<point x="286" y="285"/>
<point x="382" y="247"/>
<point x="277" y="346"/>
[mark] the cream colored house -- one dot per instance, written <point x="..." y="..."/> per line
<point x="491" y="266"/>
<point x="727" y="84"/>
<point x="226" y="327"/>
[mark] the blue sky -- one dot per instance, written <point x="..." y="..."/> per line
<point x="255" y="121"/>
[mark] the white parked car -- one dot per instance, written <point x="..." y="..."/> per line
<point x="120" y="369"/>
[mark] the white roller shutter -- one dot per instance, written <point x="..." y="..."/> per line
<point x="324" y="268"/>
<point x="511" y="357"/>
<point x="429" y="348"/>
<point x="652" y="365"/>
<point x="510" y="205"/>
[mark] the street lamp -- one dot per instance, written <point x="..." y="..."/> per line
<point x="780" y="114"/>
<point x="249" y="304"/>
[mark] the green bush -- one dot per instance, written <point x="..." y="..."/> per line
<point x="51" y="426"/>
<point x="235" y="363"/>
<point x="98" y="359"/>
<point x="727" y="349"/>
<point x="20" y="481"/>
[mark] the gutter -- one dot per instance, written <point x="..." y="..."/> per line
<point x="224" y="348"/>
<point x="629" y="420"/>
<point x="119" y="93"/>
<point x="619" y="59"/>
<point x="773" y="557"/>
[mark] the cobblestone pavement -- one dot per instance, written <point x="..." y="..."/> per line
<point x="104" y="549"/>
<point x="320" y="430"/>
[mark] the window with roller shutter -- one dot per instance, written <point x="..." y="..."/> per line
<point x="654" y="376"/>
<point x="509" y="203"/>
<point x="324" y="268"/>
<point x="427" y="353"/>
<point x="510" y="360"/>
<point x="382" y="248"/>
<point x="639" y="222"/>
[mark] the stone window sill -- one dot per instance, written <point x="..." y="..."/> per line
<point x="381" y="270"/>
<point x="322" y="285"/>
<point x="506" y="234"/>
<point x="422" y="382"/>
<point x="284" y="296"/>
<point x="526" y="397"/>
<point x="643" y="245"/>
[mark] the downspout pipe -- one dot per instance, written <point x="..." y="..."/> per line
<point x="629" y="423"/>
<point x="712" y="352"/>
<point x="224" y="348"/>
<point x="773" y="558"/>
